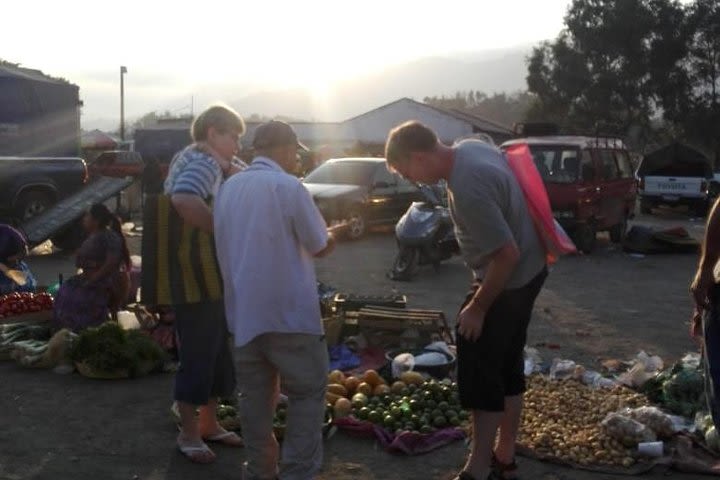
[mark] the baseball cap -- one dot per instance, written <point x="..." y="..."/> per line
<point x="276" y="134"/>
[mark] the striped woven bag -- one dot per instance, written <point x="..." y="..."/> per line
<point x="179" y="261"/>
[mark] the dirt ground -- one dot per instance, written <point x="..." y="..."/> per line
<point x="607" y="305"/>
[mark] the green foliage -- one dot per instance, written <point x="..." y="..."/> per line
<point x="624" y="64"/>
<point x="109" y="348"/>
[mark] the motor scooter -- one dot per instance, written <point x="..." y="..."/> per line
<point x="425" y="235"/>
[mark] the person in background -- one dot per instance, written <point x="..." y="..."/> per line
<point x="152" y="183"/>
<point x="13" y="250"/>
<point x="86" y="299"/>
<point x="705" y="324"/>
<point x="499" y="242"/>
<point x="267" y="232"/>
<point x="206" y="372"/>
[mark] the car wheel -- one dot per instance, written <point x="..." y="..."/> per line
<point x="406" y="263"/>
<point x="356" y="225"/>
<point x="617" y="232"/>
<point x="32" y="204"/>
<point x="646" y="207"/>
<point x="585" y="238"/>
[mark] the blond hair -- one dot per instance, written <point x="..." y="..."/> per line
<point x="224" y="119"/>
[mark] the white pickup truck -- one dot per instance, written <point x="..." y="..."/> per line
<point x="676" y="175"/>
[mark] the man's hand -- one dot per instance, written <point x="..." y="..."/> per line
<point x="471" y="322"/>
<point x="700" y="287"/>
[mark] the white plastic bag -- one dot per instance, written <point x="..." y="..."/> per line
<point x="627" y="431"/>
<point x="562" y="369"/>
<point x="402" y="363"/>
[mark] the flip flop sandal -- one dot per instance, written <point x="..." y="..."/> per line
<point x="501" y="470"/>
<point x="229" y="439"/>
<point x="191" y="452"/>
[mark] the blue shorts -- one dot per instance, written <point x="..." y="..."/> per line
<point x="206" y="364"/>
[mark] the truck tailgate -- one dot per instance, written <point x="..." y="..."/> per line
<point x="40" y="228"/>
<point x="675" y="187"/>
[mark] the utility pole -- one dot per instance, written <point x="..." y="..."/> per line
<point x="123" y="71"/>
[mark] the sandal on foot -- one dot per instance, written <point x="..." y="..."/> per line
<point x="504" y="471"/>
<point x="229" y="439"/>
<point x="196" y="452"/>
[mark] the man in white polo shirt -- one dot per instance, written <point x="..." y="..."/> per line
<point x="267" y="232"/>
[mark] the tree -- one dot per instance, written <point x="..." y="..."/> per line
<point x="605" y="68"/>
<point x="702" y="114"/>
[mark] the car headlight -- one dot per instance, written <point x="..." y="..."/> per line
<point x="420" y="216"/>
<point x="564" y="214"/>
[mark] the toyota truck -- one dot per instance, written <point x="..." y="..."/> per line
<point x="676" y="175"/>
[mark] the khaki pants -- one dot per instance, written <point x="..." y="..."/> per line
<point x="298" y="364"/>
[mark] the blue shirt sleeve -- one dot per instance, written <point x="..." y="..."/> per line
<point x="308" y="222"/>
<point x="197" y="178"/>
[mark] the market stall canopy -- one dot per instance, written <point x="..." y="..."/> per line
<point x="676" y="160"/>
<point x="98" y="140"/>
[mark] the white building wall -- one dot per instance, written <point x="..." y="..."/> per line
<point x="373" y="127"/>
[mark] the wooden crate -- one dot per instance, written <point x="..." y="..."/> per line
<point x="391" y="328"/>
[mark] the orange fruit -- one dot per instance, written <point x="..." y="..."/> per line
<point x="381" y="390"/>
<point x="337" y="389"/>
<point x="336" y="376"/>
<point x="364" y="388"/>
<point x="372" y="378"/>
<point x="342" y="408"/>
<point x="351" y="384"/>
<point x="397" y="387"/>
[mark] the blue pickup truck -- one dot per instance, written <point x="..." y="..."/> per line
<point x="29" y="186"/>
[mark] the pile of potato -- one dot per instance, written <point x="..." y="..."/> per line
<point x="562" y="419"/>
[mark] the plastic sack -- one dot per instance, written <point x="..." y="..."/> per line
<point x="594" y="379"/>
<point x="562" y="369"/>
<point x="644" y="368"/>
<point x="402" y="363"/>
<point x="555" y="239"/>
<point x="627" y="431"/>
<point x="533" y="361"/>
<point x="655" y="419"/>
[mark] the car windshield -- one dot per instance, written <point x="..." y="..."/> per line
<point x="344" y="173"/>
<point x="557" y="164"/>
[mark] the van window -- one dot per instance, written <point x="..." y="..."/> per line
<point x="623" y="163"/>
<point x="556" y="164"/>
<point x="587" y="166"/>
<point x="607" y="164"/>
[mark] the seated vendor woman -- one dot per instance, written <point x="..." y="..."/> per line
<point x="87" y="299"/>
<point x="13" y="249"/>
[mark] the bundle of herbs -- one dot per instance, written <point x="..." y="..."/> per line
<point x="108" y="349"/>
